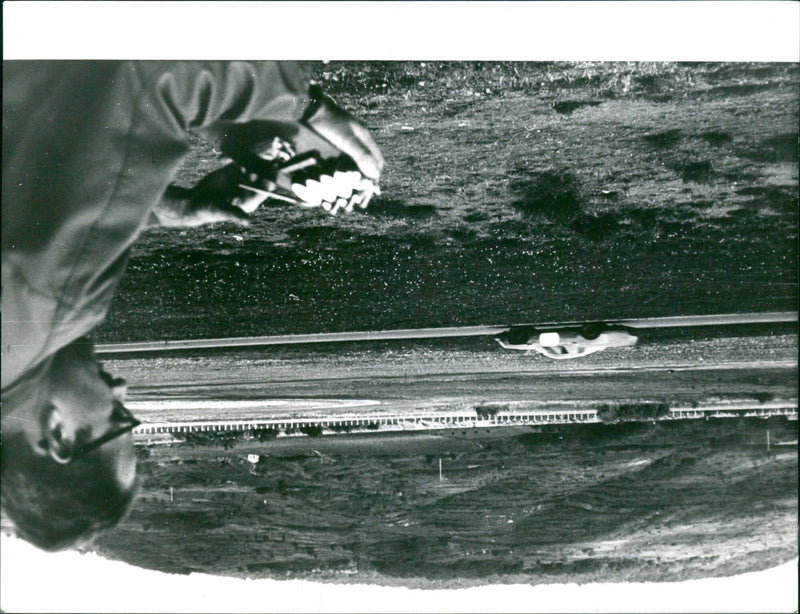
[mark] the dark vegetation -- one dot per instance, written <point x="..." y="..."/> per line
<point x="487" y="411"/>
<point x="566" y="107"/>
<point x="699" y="171"/>
<point x="311" y="431"/>
<point x="552" y="193"/>
<point x="663" y="140"/>
<point x="227" y="439"/>
<point x="230" y="439"/>
<point x="624" y="412"/>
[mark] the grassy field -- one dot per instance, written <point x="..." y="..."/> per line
<point x="598" y="503"/>
<point x="513" y="192"/>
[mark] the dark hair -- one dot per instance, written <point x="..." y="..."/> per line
<point x="56" y="506"/>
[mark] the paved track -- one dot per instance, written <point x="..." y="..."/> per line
<point x="434" y="333"/>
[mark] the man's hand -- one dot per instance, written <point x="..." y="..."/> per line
<point x="346" y="133"/>
<point x="327" y="159"/>
<point x="218" y="197"/>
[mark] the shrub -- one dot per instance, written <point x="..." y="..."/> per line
<point x="311" y="431"/>
<point x="226" y="439"/>
<point x="556" y="194"/>
<point x="631" y="412"/>
<point x="263" y="434"/>
<point x="142" y="452"/>
<point x="486" y="411"/>
<point x="340" y="428"/>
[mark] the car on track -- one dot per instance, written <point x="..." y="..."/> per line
<point x="566" y="342"/>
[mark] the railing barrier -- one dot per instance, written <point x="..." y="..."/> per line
<point x="464" y="418"/>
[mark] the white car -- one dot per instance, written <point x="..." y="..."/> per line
<point x="566" y="342"/>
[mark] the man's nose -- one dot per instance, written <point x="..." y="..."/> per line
<point x="119" y="389"/>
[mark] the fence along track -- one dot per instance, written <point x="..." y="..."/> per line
<point x="466" y="419"/>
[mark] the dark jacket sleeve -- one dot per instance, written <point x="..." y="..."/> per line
<point x="197" y="96"/>
<point x="88" y="149"/>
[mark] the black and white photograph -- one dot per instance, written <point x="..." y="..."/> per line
<point x="399" y="332"/>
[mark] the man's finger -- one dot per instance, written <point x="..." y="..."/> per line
<point x="249" y="199"/>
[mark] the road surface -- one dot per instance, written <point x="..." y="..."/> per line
<point x="433" y="333"/>
<point x="401" y="377"/>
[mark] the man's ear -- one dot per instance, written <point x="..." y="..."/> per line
<point x="59" y="440"/>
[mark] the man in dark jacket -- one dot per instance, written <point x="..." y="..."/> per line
<point x="89" y="149"/>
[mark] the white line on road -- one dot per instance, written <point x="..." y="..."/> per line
<point x="270" y="405"/>
<point x="730" y="366"/>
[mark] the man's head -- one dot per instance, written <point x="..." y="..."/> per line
<point x="68" y="464"/>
